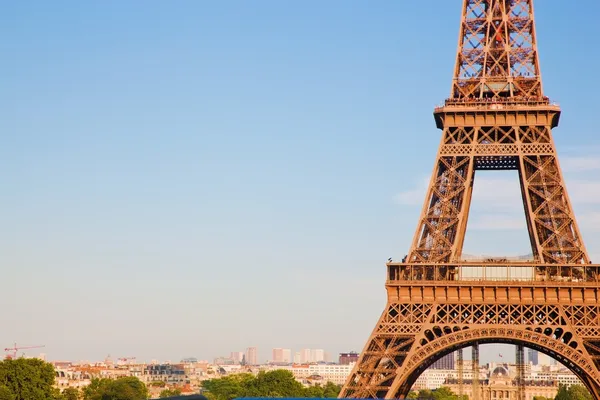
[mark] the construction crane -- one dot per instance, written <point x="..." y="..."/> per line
<point x="16" y="348"/>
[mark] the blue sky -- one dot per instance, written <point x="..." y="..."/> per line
<point x="193" y="178"/>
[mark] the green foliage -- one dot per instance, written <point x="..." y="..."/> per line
<point x="331" y="390"/>
<point x="127" y="388"/>
<point x="158" y="384"/>
<point x="6" y="393"/>
<point x="579" y="392"/>
<point x="169" y="393"/>
<point x="442" y="393"/>
<point x="563" y="393"/>
<point x="71" y="394"/>
<point x="574" y="392"/>
<point x="278" y="383"/>
<point x="26" y="379"/>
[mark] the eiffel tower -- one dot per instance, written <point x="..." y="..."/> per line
<point x="496" y="118"/>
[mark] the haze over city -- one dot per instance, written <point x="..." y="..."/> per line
<point x="196" y="179"/>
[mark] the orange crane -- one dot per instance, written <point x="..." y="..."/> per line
<point x="15" y="348"/>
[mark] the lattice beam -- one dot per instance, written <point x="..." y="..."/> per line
<point x="497" y="53"/>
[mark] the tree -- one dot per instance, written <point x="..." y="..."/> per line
<point x="314" y="391"/>
<point x="6" y="394"/>
<point x="71" y="394"/>
<point x="331" y="390"/>
<point x="562" y="393"/>
<point x="127" y="388"/>
<point x="169" y="393"/>
<point x="278" y="383"/>
<point x="443" y="393"/>
<point x="579" y="392"/>
<point x="27" y="379"/>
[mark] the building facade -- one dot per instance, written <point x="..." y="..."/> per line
<point x="502" y="386"/>
<point x="532" y="356"/>
<point x="252" y="356"/>
<point x="347" y="358"/>
<point x="281" y="356"/>
<point x="446" y="362"/>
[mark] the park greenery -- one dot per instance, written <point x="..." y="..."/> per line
<point x="277" y="383"/>
<point x="165" y="394"/>
<point x="574" y="392"/>
<point x="126" y="388"/>
<point x="27" y="379"/>
<point x="442" y="393"/>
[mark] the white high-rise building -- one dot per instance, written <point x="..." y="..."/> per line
<point x="297" y="358"/>
<point x="282" y="356"/>
<point x="317" y="355"/>
<point x="543" y="359"/>
<point x="305" y="356"/>
<point x="237" y="356"/>
<point x="287" y="356"/>
<point x="277" y="355"/>
<point x="252" y="356"/>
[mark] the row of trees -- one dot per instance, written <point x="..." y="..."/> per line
<point x="442" y="393"/>
<point x="33" y="379"/>
<point x="278" y="383"/>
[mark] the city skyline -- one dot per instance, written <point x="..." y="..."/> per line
<point x="233" y="171"/>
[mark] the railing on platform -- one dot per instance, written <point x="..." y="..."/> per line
<point x="494" y="271"/>
<point x="497" y="103"/>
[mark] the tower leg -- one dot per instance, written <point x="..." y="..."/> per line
<point x="520" y="364"/>
<point x="460" y="367"/>
<point x="475" y="366"/>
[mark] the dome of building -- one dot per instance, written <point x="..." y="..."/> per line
<point x="500" y="371"/>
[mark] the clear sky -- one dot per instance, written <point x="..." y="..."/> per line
<point x="190" y="178"/>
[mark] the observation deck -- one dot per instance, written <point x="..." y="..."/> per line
<point x="494" y="281"/>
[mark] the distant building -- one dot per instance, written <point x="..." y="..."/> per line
<point x="281" y="356"/>
<point x="237" y="356"/>
<point x="320" y="373"/>
<point x="501" y="385"/>
<point x="317" y="355"/>
<point x="251" y="356"/>
<point x="297" y="358"/>
<point x="533" y="356"/>
<point x="287" y="356"/>
<point x="446" y="362"/>
<point x="172" y="374"/>
<point x="277" y="355"/>
<point x="347" y="358"/>
<point x="305" y="356"/>
<point x="224" y="361"/>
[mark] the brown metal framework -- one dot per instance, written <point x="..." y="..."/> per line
<point x="496" y="118"/>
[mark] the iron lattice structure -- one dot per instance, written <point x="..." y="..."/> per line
<point x="496" y="118"/>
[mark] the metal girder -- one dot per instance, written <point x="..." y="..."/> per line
<point x="497" y="52"/>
